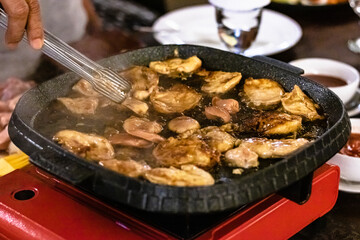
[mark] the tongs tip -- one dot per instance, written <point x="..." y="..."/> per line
<point x="111" y="84"/>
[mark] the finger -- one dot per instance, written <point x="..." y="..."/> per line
<point x="17" y="11"/>
<point x="35" y="32"/>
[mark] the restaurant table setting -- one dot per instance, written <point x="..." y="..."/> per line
<point x="290" y="41"/>
<point x="277" y="31"/>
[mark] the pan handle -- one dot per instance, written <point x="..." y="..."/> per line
<point x="280" y="64"/>
<point x="62" y="166"/>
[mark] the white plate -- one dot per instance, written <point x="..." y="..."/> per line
<point x="350" y="187"/>
<point x="196" y="25"/>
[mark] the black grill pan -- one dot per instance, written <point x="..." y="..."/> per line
<point x="169" y="199"/>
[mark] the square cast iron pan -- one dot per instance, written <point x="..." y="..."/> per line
<point x="151" y="197"/>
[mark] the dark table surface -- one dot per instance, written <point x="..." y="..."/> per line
<point x="326" y="31"/>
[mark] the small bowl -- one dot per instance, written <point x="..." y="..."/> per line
<point x="349" y="166"/>
<point x="329" y="67"/>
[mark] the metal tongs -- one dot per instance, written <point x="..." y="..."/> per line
<point x="104" y="80"/>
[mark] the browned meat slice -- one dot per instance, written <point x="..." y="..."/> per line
<point x="143" y="80"/>
<point x="216" y="138"/>
<point x="176" y="152"/>
<point x="296" y="102"/>
<point x="177" y="67"/>
<point x="188" y="175"/>
<point x="273" y="148"/>
<point x="177" y="99"/>
<point x="82" y="105"/>
<point x="217" y="113"/>
<point x="241" y="157"/>
<point x="85" y="88"/>
<point x="129" y="168"/>
<point x="143" y="128"/>
<point x="88" y="146"/>
<point x="183" y="124"/>
<point x="273" y="123"/>
<point x="202" y="72"/>
<point x="220" y="82"/>
<point x="126" y="139"/>
<point x="230" y="105"/>
<point x="262" y="93"/>
<point x="267" y="124"/>
<point x="135" y="105"/>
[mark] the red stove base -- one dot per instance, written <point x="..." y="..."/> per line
<point x="36" y="205"/>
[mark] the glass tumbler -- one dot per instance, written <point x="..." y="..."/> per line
<point x="238" y="22"/>
<point x="354" y="44"/>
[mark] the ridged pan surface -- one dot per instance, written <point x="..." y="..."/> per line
<point x="143" y="195"/>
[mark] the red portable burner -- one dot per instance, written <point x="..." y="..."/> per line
<point x="36" y="205"/>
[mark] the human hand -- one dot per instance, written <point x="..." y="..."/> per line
<point x="23" y="14"/>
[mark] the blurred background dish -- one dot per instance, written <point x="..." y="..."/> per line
<point x="339" y="77"/>
<point x="348" y="159"/>
<point x="277" y="33"/>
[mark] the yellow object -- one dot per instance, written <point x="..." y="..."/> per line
<point x="12" y="162"/>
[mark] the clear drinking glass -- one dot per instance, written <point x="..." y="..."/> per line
<point x="238" y="22"/>
<point x="354" y="44"/>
